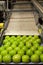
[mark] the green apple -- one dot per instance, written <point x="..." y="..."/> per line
<point x="27" y="39"/>
<point x="7" y="58"/>
<point x="21" y="44"/>
<point x="12" y="52"/>
<point x="6" y="37"/>
<point x="0" y="58"/>
<point x="13" y="46"/>
<point x="29" y="52"/>
<point x="38" y="40"/>
<point x="30" y="37"/>
<point x="31" y="40"/>
<point x="24" y="41"/>
<point x="41" y="57"/>
<point x="24" y="48"/>
<point x="16" y="58"/>
<point x="24" y="36"/>
<point x="4" y="52"/>
<point x="21" y="52"/>
<point x="25" y="58"/>
<point x="33" y="48"/>
<point x="36" y="37"/>
<point x="35" y="58"/>
<point x="6" y="46"/>
<point x="18" y="37"/>
<point x="36" y="45"/>
<point x="21" y="38"/>
<point x="1" y="48"/>
<point x="11" y="40"/>
<point x="35" y="42"/>
<point x="28" y="45"/>
<point x="38" y="52"/>
<point x="40" y="48"/>
<point x="12" y="37"/>
<point x="15" y="38"/>
<point x="5" y="41"/>
<point x="9" y="49"/>
<point x="18" y="41"/>
<point x="15" y="43"/>
<point x="17" y="49"/>
<point x="8" y="43"/>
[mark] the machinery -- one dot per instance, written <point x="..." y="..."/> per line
<point x="22" y="18"/>
<point x="29" y="13"/>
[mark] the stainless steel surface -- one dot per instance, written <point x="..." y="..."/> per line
<point x="22" y="23"/>
<point x="23" y="7"/>
<point x="38" y="7"/>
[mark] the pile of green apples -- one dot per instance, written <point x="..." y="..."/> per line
<point x="23" y="49"/>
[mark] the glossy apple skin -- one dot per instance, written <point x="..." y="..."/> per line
<point x="25" y="58"/>
<point x="16" y="58"/>
<point x="34" y="58"/>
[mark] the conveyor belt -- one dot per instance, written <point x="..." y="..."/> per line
<point x="22" y="23"/>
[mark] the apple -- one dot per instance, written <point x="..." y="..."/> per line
<point x="25" y="58"/>
<point x="30" y="37"/>
<point x="17" y="49"/>
<point x="33" y="48"/>
<point x="7" y="58"/>
<point x="5" y="46"/>
<point x="5" y="41"/>
<point x="24" y="48"/>
<point x="9" y="49"/>
<point x="28" y="45"/>
<point x="16" y="58"/>
<point x="12" y="37"/>
<point x="38" y="52"/>
<point x="35" y="42"/>
<point x="15" y="38"/>
<point x="18" y="41"/>
<point x="21" y="45"/>
<point x="12" y="52"/>
<point x="31" y="40"/>
<point x="34" y="58"/>
<point x="29" y="52"/>
<point x="27" y="39"/>
<point x="1" y="48"/>
<point x="24" y="41"/>
<point x="38" y="40"/>
<point x="41" y="57"/>
<point x="11" y="40"/>
<point x="4" y="52"/>
<point x="21" y="52"/>
<point x="24" y="37"/>
<point x="36" y="45"/>
<point x="21" y="38"/>
<point x="6" y="37"/>
<point x="0" y="58"/>
<point x="8" y="43"/>
<point x="36" y="37"/>
<point x="13" y="46"/>
<point x="15" y="43"/>
<point x="40" y="48"/>
<point x="18" y="37"/>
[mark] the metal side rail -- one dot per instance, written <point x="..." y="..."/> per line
<point x="38" y="7"/>
<point x="5" y="27"/>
